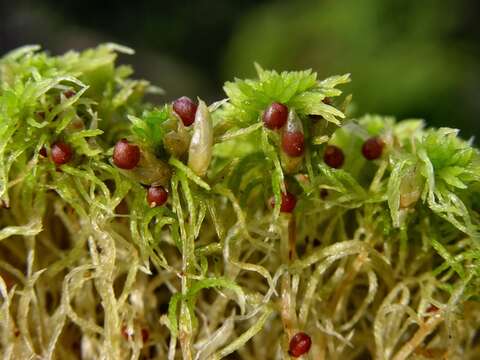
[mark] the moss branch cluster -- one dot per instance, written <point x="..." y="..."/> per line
<point x="372" y="257"/>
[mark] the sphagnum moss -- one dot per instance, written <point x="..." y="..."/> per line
<point x="377" y="258"/>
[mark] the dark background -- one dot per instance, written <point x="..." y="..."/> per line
<point x="407" y="58"/>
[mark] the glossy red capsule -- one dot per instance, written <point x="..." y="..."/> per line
<point x="185" y="108"/>
<point x="293" y="143"/>
<point x="300" y="344"/>
<point x="126" y="155"/>
<point x="372" y="148"/>
<point x="289" y="201"/>
<point x="333" y="156"/>
<point x="275" y="116"/>
<point x="156" y="196"/>
<point x="61" y="153"/>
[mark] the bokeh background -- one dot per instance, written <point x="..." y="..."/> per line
<point x="407" y="58"/>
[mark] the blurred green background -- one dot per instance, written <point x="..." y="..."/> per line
<point x="407" y="58"/>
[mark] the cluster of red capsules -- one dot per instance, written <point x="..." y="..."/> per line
<point x="275" y="117"/>
<point x="372" y="149"/>
<point x="127" y="156"/>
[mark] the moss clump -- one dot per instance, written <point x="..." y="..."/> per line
<point x="379" y="259"/>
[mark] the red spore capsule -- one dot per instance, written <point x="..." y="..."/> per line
<point x="156" y="196"/>
<point x="300" y="344"/>
<point x="293" y="143"/>
<point x="275" y="116"/>
<point x="61" y="153"/>
<point x="333" y="156"/>
<point x="185" y="108"/>
<point x="126" y="155"/>
<point x="289" y="201"/>
<point x="372" y="148"/>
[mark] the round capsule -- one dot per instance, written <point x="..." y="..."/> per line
<point x="289" y="201"/>
<point x="333" y="156"/>
<point x="275" y="116"/>
<point x="293" y="143"/>
<point x="61" y="153"/>
<point x="372" y="148"/>
<point x="125" y="155"/>
<point x="156" y="196"/>
<point x="185" y="108"/>
<point x="300" y="344"/>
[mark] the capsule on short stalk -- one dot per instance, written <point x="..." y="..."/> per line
<point x="156" y="196"/>
<point x="333" y="156"/>
<point x="293" y="139"/>
<point x="126" y="155"/>
<point x="289" y="201"/>
<point x="300" y="344"/>
<point x="61" y="153"/>
<point x="185" y="108"/>
<point x="372" y="148"/>
<point x="201" y="145"/>
<point x="293" y="143"/>
<point x="275" y="116"/>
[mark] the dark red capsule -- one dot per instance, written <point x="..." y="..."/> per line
<point x="333" y="156"/>
<point x="300" y="344"/>
<point x="432" y="308"/>
<point x="43" y="151"/>
<point x="156" y="196"/>
<point x="372" y="148"/>
<point x="61" y="153"/>
<point x="293" y="143"/>
<point x="275" y="116"/>
<point x="185" y="108"/>
<point x="126" y="155"/>
<point x="289" y="201"/>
